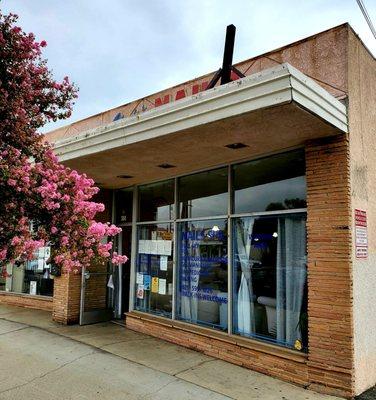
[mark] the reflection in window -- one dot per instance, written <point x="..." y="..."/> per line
<point x="156" y="201"/>
<point x="269" y="261"/>
<point x="31" y="277"/>
<point x="124" y="205"/>
<point x="204" y="194"/>
<point x="154" y="269"/>
<point x="272" y="183"/>
<point x="202" y="280"/>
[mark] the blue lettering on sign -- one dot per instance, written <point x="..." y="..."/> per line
<point x="193" y="266"/>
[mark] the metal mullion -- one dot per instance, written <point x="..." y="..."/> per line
<point x="202" y="218"/>
<point x="229" y="277"/>
<point x="241" y="160"/>
<point x="155" y="222"/>
<point x="175" y="257"/>
<point x="229" y="252"/>
<point x="124" y="224"/>
<point x="133" y="249"/>
<point x="267" y="213"/>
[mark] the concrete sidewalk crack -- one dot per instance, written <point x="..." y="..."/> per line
<point x="15" y="330"/>
<point x="47" y="373"/>
<point x="147" y="395"/>
<point x="193" y="367"/>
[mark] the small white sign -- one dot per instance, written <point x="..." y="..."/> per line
<point x="361" y="235"/>
<point x="40" y="264"/>
<point x="140" y="278"/>
<point x="33" y="287"/>
<point x="140" y="291"/>
<point x="162" y="286"/>
<point x="163" y="263"/>
<point x="361" y="252"/>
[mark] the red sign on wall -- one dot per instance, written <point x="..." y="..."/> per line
<point x="361" y="235"/>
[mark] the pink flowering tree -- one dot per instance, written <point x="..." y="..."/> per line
<point x="34" y="187"/>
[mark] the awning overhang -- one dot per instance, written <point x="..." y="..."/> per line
<point x="274" y="110"/>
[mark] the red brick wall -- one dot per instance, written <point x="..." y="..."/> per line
<point x="66" y="300"/>
<point x="330" y="298"/>
<point x="282" y="363"/>
<point x="27" y="301"/>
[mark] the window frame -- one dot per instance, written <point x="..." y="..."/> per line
<point x="230" y="216"/>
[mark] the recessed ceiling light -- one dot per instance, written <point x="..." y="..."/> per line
<point x="166" y="166"/>
<point x="235" y="146"/>
<point x="125" y="176"/>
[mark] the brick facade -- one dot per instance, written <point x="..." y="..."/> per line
<point x="330" y="301"/>
<point x="27" y="301"/>
<point x="67" y="294"/>
<point x="328" y="366"/>
<point x="285" y="364"/>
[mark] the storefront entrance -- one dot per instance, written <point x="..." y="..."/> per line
<point x="121" y="275"/>
<point x="105" y="289"/>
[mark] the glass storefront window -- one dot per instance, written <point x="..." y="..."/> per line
<point x="269" y="272"/>
<point x="272" y="183"/>
<point x="202" y="273"/>
<point x="123" y="205"/>
<point x="154" y="266"/>
<point x="156" y="201"/>
<point x="267" y="262"/>
<point x="204" y="194"/>
<point x="31" y="277"/>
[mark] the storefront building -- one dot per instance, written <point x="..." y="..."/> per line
<point x="247" y="212"/>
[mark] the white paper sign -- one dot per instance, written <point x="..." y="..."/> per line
<point x="153" y="247"/>
<point x="160" y="246"/>
<point x="162" y="286"/>
<point x="140" y="291"/>
<point x="33" y="287"/>
<point x="147" y="246"/>
<point x="40" y="264"/>
<point x="141" y="246"/>
<point x="163" y="263"/>
<point x="139" y="279"/>
<point x="167" y="247"/>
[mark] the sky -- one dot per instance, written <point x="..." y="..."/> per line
<point x="117" y="51"/>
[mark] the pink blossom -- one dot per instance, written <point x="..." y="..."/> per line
<point x="118" y="259"/>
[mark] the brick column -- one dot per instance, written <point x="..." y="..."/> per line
<point x="66" y="300"/>
<point x="330" y="299"/>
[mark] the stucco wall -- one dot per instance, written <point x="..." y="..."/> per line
<point x="362" y="122"/>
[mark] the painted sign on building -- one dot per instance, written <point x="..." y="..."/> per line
<point x="361" y="235"/>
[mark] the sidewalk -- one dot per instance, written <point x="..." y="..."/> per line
<point x="42" y="360"/>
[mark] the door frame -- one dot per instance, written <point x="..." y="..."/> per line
<point x="96" y="315"/>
